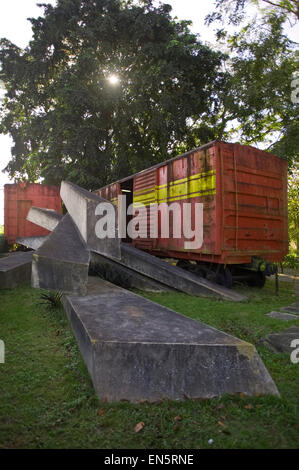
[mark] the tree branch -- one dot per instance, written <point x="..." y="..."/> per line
<point x="296" y="12"/>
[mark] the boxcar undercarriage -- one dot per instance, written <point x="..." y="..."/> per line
<point x="253" y="274"/>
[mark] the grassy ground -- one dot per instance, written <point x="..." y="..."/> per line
<point x="47" y="399"/>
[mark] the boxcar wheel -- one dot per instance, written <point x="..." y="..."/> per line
<point x="200" y="272"/>
<point x="228" y="278"/>
<point x="225" y="278"/>
<point x="258" y="279"/>
<point x="183" y="264"/>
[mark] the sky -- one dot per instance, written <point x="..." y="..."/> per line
<point x="15" y="27"/>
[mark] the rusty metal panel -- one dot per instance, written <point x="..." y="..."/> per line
<point x="18" y="198"/>
<point x="144" y="192"/>
<point x="114" y="192"/>
<point x="254" y="202"/>
<point x="23" y="209"/>
<point x="110" y="192"/>
<point x="190" y="179"/>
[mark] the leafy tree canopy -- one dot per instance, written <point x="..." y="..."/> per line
<point x="258" y="104"/>
<point x="69" y="121"/>
<point x="234" y="11"/>
<point x="170" y="93"/>
<point x="293" y="212"/>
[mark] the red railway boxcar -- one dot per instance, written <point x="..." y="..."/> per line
<point x="18" y="198"/>
<point x="244" y="196"/>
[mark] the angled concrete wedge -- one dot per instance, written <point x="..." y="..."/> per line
<point x="83" y="205"/>
<point x="174" y="276"/>
<point x="121" y="275"/>
<point x="138" y="350"/>
<point x="46" y="218"/>
<point x="62" y="262"/>
<point x="15" y="269"/>
<point x="32" y="242"/>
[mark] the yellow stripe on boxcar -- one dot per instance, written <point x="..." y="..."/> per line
<point x="201" y="184"/>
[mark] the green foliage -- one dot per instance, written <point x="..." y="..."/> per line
<point x="47" y="398"/>
<point x="234" y="11"/>
<point x="2" y="243"/>
<point x="293" y="210"/>
<point x="51" y="300"/>
<point x="257" y="104"/>
<point x="291" y="261"/>
<point x="68" y="121"/>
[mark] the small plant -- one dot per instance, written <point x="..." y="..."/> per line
<point x="291" y="261"/>
<point x="52" y="300"/>
<point x="2" y="243"/>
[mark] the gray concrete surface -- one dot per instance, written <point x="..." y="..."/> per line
<point x="32" y="242"/>
<point x="62" y="262"/>
<point x="138" y="350"/>
<point x="282" y="316"/>
<point x="15" y="269"/>
<point x="173" y="276"/>
<point x="46" y="218"/>
<point x="82" y="206"/>
<point x="281" y="342"/>
<point x="121" y="275"/>
<point x="290" y="309"/>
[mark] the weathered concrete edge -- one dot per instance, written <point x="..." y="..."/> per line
<point x="16" y="276"/>
<point x="137" y="280"/>
<point x="150" y="265"/>
<point x="77" y="207"/>
<point x="37" y="256"/>
<point x="174" y="371"/>
<point x="81" y="205"/>
<point x="32" y="242"/>
<point x="90" y="348"/>
<point x="56" y="266"/>
<point x="46" y="218"/>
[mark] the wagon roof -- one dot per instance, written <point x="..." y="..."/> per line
<point x="158" y="165"/>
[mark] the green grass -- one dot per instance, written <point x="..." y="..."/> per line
<point x="1" y="229"/>
<point x="47" y="399"/>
